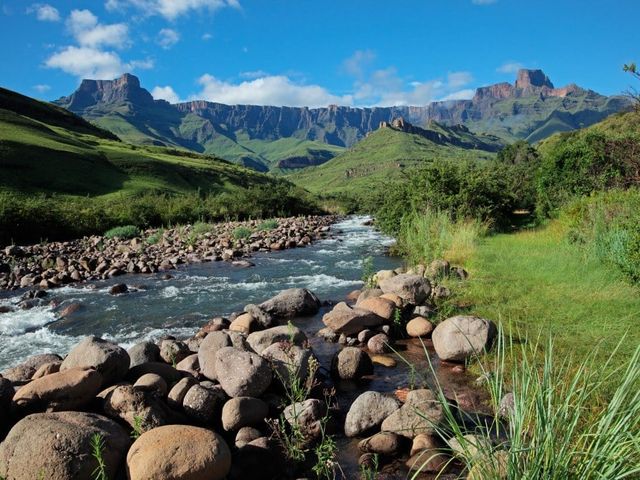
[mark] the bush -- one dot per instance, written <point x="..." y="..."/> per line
<point x="124" y="232"/>
<point x="268" y="225"/>
<point x="241" y="233"/>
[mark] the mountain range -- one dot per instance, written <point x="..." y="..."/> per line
<point x="280" y="138"/>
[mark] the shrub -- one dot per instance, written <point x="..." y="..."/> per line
<point x="124" y="232"/>
<point x="242" y="233"/>
<point x="268" y="225"/>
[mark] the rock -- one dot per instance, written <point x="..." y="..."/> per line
<point x="118" y="289"/>
<point x="106" y="357"/>
<point x="288" y="362"/>
<point x="379" y="344"/>
<point x="189" y="365"/>
<point x="25" y="371"/>
<point x="353" y="296"/>
<point x="6" y="395"/>
<point x="259" y="341"/>
<point x="424" y="442"/>
<point x="176" y="395"/>
<point x="243" y="412"/>
<point x="495" y="466"/>
<point x="152" y="382"/>
<point x="143" y="353"/>
<point x="367" y="412"/>
<point x="295" y="302"/>
<point x="47" y="369"/>
<point x="173" y="351"/>
<point x="170" y="374"/>
<point x="384" y="360"/>
<point x="351" y="363"/>
<point x="384" y="275"/>
<point x="383" y="443"/>
<point x="68" y="390"/>
<point x="201" y="403"/>
<point x="380" y="306"/>
<point x="243" y="324"/>
<point x="459" y="273"/>
<point x="413" y="289"/>
<point x="307" y="415"/>
<point x="419" y="327"/>
<point x="328" y="335"/>
<point x="429" y="461"/>
<point x="425" y="311"/>
<point x="507" y="406"/>
<point x="264" y="319"/>
<point x="58" y="446"/>
<point x="440" y="292"/>
<point x="140" y="409"/>
<point x="213" y="342"/>
<point x="179" y="452"/>
<point x="70" y="309"/>
<point x="368" y="293"/>
<point x="257" y="460"/>
<point x="458" y="338"/>
<point x="438" y="269"/>
<point x="365" y="335"/>
<point x="421" y="413"/>
<point x="470" y="447"/>
<point x="242" y="374"/>
<point x="350" y="321"/>
<point x="246" y="435"/>
<point x="397" y="301"/>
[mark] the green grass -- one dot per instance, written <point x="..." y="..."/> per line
<point x="536" y="283"/>
<point x="124" y="232"/>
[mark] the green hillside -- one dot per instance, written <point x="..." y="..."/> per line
<point x="387" y="154"/>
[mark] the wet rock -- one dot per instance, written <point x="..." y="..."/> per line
<point x="289" y="362"/>
<point x="413" y="289"/>
<point x="68" y="390"/>
<point x="173" y="351"/>
<point x="152" y="382"/>
<point x="379" y="344"/>
<point x="118" y="289"/>
<point x="201" y="403"/>
<point x="429" y="461"/>
<point x="461" y="337"/>
<point x="59" y="444"/>
<point x="368" y="412"/>
<point x="140" y="409"/>
<point x="328" y="335"/>
<point x="106" y="357"/>
<point x="382" y="307"/>
<point x="142" y="353"/>
<point x="243" y="412"/>
<point x="70" y="309"/>
<point x="384" y="360"/>
<point x="242" y="374"/>
<point x="350" y="321"/>
<point x="176" y="395"/>
<point x="351" y="363"/>
<point x="295" y="302"/>
<point x="259" y="341"/>
<point x="383" y="443"/>
<point x="421" y="413"/>
<point x="179" y="452"/>
<point x="419" y="327"/>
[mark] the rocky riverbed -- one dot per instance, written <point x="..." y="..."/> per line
<point x="50" y="265"/>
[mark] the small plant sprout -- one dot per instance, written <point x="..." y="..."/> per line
<point x="138" y="426"/>
<point x="369" y="471"/>
<point x="368" y="272"/>
<point x="97" y="449"/>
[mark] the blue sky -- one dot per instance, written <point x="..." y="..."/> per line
<point x="304" y="52"/>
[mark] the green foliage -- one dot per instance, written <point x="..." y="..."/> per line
<point x="607" y="226"/>
<point x="370" y="472"/>
<point x="154" y="238"/>
<point x="138" y="427"/>
<point x="268" y="225"/>
<point x="97" y="449"/>
<point x="200" y="228"/>
<point x="242" y="233"/>
<point x="325" y="452"/>
<point x="124" y="232"/>
<point x="555" y="430"/>
<point x="368" y="272"/>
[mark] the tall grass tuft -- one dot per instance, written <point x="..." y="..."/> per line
<point x="558" y="427"/>
<point x="431" y="234"/>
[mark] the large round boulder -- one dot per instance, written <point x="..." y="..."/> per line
<point x="351" y="363"/>
<point x="179" y="452"/>
<point x="294" y="302"/>
<point x="142" y="410"/>
<point x="106" y="357"/>
<point x="289" y="362"/>
<point x="59" y="446"/>
<point x="213" y="342"/>
<point x="143" y="352"/>
<point x="259" y="341"/>
<point x="367" y="412"/>
<point x="460" y="337"/>
<point x="242" y="374"/>
<point x="243" y="412"/>
<point x="421" y="414"/>
<point x="413" y="289"/>
<point x="201" y="404"/>
<point x="350" y="321"/>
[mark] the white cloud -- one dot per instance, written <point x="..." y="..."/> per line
<point x="45" y="12"/>
<point x="465" y="94"/>
<point x="484" y="2"/>
<point x="268" y="90"/>
<point x="207" y="36"/>
<point x="509" y="67"/>
<point x="170" y="9"/>
<point x="459" y="79"/>
<point x="86" y="29"/>
<point x="254" y="74"/>
<point x="42" y="88"/>
<point x="167" y="38"/>
<point x="87" y="62"/>
<point x="356" y="64"/>
<point x="165" y="93"/>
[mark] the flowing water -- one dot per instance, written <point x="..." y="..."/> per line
<point x="331" y="268"/>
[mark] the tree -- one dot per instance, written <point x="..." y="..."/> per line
<point x="632" y="69"/>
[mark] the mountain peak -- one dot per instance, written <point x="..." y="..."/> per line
<point x="532" y="78"/>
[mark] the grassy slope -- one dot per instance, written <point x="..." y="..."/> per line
<point x="535" y="282"/>
<point x="383" y="155"/>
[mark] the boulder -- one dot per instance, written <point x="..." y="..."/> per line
<point x="58" y="446"/>
<point x="438" y="269"/>
<point x="257" y="460"/>
<point x="143" y="353"/>
<point x="288" y="362"/>
<point x="152" y="382"/>
<point x="246" y="435"/>
<point x="397" y="301"/>
<point x="179" y="452"/>
<point x="419" y="327"/>
<point x="173" y="351"/>
<point x="350" y="321"/>
<point x="382" y="307"/>
<point x="351" y="363"/>
<point x="460" y="337"/>
<point x="68" y="390"/>
<point x="170" y="374"/>
<point x="421" y="413"/>
<point x="213" y="342"/>
<point x="379" y="344"/>
<point x="243" y="412"/>
<point x="242" y="374"/>
<point x="382" y="275"/>
<point x="368" y="412"/>
<point x="141" y="410"/>
<point x="201" y="404"/>
<point x="494" y="466"/>
<point x="106" y="357"/>
<point x="259" y="341"/>
<point x="25" y="371"/>
<point x="262" y="318"/>
<point x="368" y="293"/>
<point x="6" y="394"/>
<point x="294" y="302"/>
<point x="243" y="324"/>
<point x="47" y="369"/>
<point x="383" y="443"/>
<point x="307" y="415"/>
<point x="413" y="289"/>
<point x="189" y="365"/>
<point x="179" y="391"/>
<point x="470" y="447"/>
